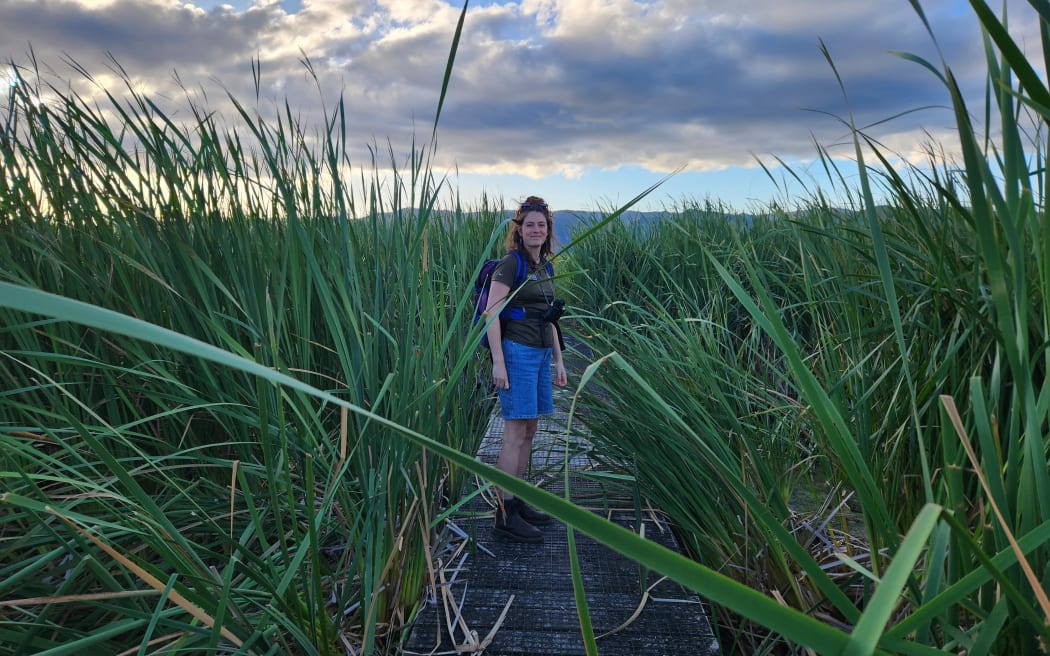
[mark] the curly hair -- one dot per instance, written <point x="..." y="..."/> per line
<point x="514" y="242"/>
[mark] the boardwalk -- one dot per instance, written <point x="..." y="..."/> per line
<point x="504" y="599"/>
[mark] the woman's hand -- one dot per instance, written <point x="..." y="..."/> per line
<point x="499" y="375"/>
<point x="560" y="379"/>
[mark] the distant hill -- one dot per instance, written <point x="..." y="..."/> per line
<point x="565" y="221"/>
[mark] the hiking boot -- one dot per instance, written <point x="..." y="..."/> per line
<point x="532" y="515"/>
<point x="510" y="525"/>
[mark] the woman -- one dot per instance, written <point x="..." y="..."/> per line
<point x="522" y="353"/>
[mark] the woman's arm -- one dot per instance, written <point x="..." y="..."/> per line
<point x="498" y="293"/>
<point x="560" y="379"/>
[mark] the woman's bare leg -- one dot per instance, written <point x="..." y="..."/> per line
<point x="516" y="451"/>
<point x="525" y="455"/>
<point x="514" y="456"/>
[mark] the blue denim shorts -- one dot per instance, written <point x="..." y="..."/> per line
<point x="529" y="372"/>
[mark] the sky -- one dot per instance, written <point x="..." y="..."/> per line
<point x="584" y="102"/>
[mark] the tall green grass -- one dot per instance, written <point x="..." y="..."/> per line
<point x="826" y="373"/>
<point x="290" y="523"/>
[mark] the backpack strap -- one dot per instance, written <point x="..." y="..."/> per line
<point x="510" y="311"/>
<point x="519" y="274"/>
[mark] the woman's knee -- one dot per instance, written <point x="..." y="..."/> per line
<point x="519" y="431"/>
<point x="515" y="429"/>
<point x="530" y="428"/>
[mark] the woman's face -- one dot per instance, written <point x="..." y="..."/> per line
<point x="533" y="229"/>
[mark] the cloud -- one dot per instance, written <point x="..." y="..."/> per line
<point x="541" y="86"/>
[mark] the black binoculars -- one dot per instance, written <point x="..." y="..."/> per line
<point x="554" y="312"/>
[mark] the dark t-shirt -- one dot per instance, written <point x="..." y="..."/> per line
<point x="535" y="296"/>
